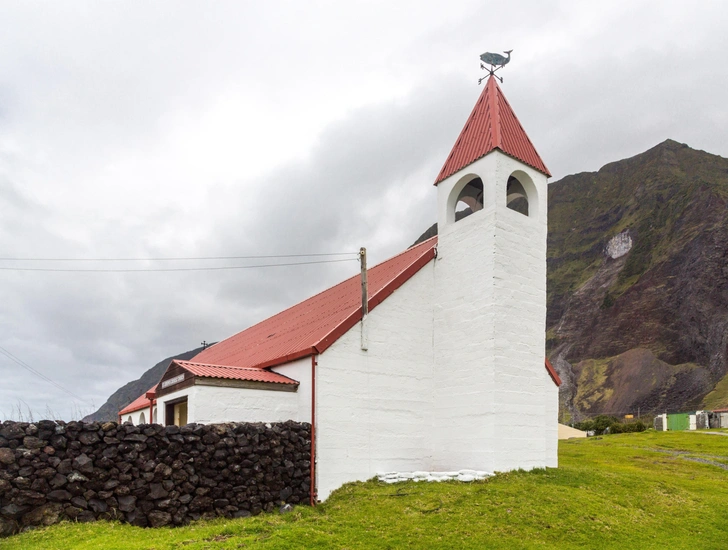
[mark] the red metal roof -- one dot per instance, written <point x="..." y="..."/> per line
<point x="552" y="372"/>
<point x="491" y="125"/>
<point x="140" y="402"/>
<point x="307" y="328"/>
<point x="314" y="324"/>
<point x="234" y="373"/>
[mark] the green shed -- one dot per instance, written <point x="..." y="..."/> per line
<point x="678" y="421"/>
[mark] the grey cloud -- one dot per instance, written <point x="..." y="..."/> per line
<point x="89" y="93"/>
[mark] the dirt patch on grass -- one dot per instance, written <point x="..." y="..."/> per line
<point x="687" y="455"/>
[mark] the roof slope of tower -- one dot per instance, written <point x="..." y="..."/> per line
<point x="492" y="125"/>
<point x="314" y="324"/>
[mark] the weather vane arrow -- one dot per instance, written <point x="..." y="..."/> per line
<point x="496" y="62"/>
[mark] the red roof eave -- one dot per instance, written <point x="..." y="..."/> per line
<point x="552" y="372"/>
<point x="140" y="403"/>
<point x="130" y="408"/>
<point x="252" y="374"/>
<point x="286" y="358"/>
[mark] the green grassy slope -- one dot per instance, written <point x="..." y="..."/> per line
<point x="647" y="490"/>
<point x="653" y="194"/>
<point x="718" y="398"/>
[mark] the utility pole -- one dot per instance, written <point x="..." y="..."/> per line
<point x="364" y="299"/>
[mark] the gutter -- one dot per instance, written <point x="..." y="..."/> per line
<point x="312" y="491"/>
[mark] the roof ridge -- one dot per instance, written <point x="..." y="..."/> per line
<point x="495" y="100"/>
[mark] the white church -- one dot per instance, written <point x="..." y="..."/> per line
<point x="446" y="371"/>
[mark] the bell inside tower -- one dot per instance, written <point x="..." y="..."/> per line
<point x="470" y="199"/>
<point x="516" y="197"/>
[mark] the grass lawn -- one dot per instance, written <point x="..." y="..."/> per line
<point x="664" y="490"/>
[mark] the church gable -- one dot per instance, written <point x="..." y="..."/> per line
<point x="183" y="374"/>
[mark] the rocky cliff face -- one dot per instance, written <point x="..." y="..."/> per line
<point x="638" y="282"/>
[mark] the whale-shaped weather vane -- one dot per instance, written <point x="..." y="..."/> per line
<point x="496" y="61"/>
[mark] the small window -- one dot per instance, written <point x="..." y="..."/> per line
<point x="516" y="197"/>
<point x="470" y="199"/>
<point x="130" y="420"/>
<point x="142" y="419"/>
<point x="155" y="415"/>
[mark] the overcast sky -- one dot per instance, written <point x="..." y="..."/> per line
<point x="170" y="129"/>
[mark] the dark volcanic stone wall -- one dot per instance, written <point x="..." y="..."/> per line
<point x="148" y="475"/>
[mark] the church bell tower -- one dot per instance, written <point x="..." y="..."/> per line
<point x="495" y="406"/>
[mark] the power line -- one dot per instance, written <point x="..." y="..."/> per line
<point x="26" y="366"/>
<point x="214" y="268"/>
<point x="177" y="259"/>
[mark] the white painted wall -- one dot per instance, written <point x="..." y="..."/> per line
<point x="724" y="420"/>
<point x="495" y="406"/>
<point x="374" y="407"/>
<point x="136" y="416"/>
<point x="476" y="316"/>
<point x="551" y="429"/>
<point x="464" y="383"/>
<point x="212" y="404"/>
<point x="299" y="370"/>
<point x="162" y="401"/>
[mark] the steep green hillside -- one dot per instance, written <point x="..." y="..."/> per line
<point x="668" y="294"/>
<point x="718" y="398"/>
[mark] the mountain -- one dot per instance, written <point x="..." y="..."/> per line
<point x="637" y="278"/>
<point x="129" y="392"/>
<point x="638" y="282"/>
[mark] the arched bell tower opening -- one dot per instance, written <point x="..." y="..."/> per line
<point x="516" y="198"/>
<point x="470" y="199"/>
<point x="466" y="197"/>
<point x="521" y="194"/>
